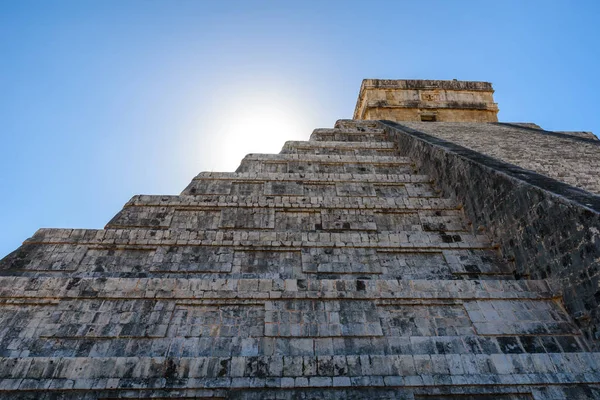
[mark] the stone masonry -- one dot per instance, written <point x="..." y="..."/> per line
<point x="563" y="156"/>
<point x="426" y="100"/>
<point x="342" y="267"/>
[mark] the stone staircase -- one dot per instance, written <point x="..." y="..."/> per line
<point x="331" y="270"/>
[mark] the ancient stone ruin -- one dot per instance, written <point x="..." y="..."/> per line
<point x="420" y="251"/>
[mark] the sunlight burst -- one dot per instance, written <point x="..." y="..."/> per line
<point x="258" y="122"/>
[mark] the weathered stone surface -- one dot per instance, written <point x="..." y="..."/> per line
<point x="567" y="158"/>
<point x="368" y="262"/>
<point x="426" y="100"/>
<point x="545" y="228"/>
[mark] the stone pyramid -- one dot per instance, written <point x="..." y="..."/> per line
<point x="335" y="269"/>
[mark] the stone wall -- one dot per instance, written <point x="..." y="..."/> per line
<point x="568" y="157"/>
<point x="546" y="228"/>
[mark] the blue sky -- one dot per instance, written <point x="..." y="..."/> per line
<point x="102" y="100"/>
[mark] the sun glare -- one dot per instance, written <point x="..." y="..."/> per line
<point x="259" y="128"/>
<point x="253" y="124"/>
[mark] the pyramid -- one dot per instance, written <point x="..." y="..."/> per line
<point x="372" y="261"/>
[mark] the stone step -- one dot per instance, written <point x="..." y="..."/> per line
<point x="77" y="317"/>
<point x="313" y="177"/>
<point x="340" y="148"/>
<point x="310" y="184"/>
<point x="325" y="167"/>
<point x="294" y="144"/>
<point x="287" y="163"/>
<point x="426" y="255"/>
<point x="349" y="135"/>
<point x="269" y="388"/>
<point x="397" y="199"/>
<point x="282" y="219"/>
<point x="129" y="270"/>
<point x="39" y="373"/>
<point x="88" y="260"/>
<point x="357" y="124"/>
<point x="333" y="158"/>
<point x="159" y="340"/>
<point x="260" y="238"/>
<point x="293" y="319"/>
<point x="221" y="289"/>
<point x="314" y="190"/>
<point x="351" y="124"/>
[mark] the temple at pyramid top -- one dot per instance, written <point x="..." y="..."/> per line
<point x="426" y="100"/>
